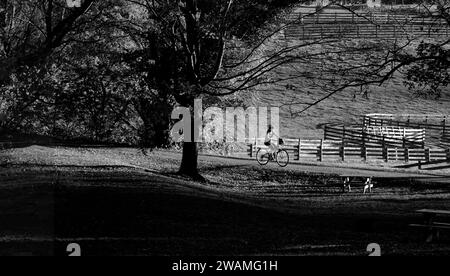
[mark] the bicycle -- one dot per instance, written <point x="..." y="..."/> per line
<point x="263" y="156"/>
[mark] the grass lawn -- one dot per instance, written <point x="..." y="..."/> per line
<point x="104" y="200"/>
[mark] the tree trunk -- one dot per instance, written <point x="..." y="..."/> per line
<point x="189" y="160"/>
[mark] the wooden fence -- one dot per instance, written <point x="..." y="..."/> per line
<point x="446" y="135"/>
<point x="290" y="145"/>
<point x="437" y="126"/>
<point x="432" y="122"/>
<point x="323" y="150"/>
<point x="368" y="31"/>
<point x="340" y="16"/>
<point x="370" y="25"/>
<point x="377" y="136"/>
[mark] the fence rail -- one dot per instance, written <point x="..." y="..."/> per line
<point x="364" y="25"/>
<point x="324" y="150"/>
<point x="377" y="136"/>
<point x="363" y="18"/>
<point x="308" y="32"/>
<point x="439" y="122"/>
<point x="437" y="126"/>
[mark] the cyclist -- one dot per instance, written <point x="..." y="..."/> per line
<point x="273" y="149"/>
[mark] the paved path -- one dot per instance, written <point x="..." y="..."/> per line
<point x="336" y="170"/>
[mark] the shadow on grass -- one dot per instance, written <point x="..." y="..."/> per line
<point x="145" y="220"/>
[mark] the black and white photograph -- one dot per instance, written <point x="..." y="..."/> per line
<point x="240" y="132"/>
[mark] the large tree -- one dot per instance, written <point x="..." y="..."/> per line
<point x="197" y="48"/>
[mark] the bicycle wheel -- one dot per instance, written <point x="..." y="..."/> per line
<point x="262" y="156"/>
<point x="282" y="158"/>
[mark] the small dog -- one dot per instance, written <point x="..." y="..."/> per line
<point x="347" y="184"/>
<point x="368" y="185"/>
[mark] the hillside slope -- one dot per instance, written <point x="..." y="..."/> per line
<point x="304" y="84"/>
<point x="347" y="107"/>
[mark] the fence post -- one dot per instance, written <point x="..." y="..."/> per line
<point x="404" y="138"/>
<point x="423" y="138"/>
<point x="321" y="151"/>
<point x="364" y="137"/>
<point x="343" y="152"/>
<point x="406" y="155"/>
<point x="299" y="148"/>
<point x="427" y="155"/>
<point x="386" y="154"/>
<point x="364" y="153"/>
<point x="443" y="127"/>
<point x="447" y="151"/>
<point x="343" y="135"/>
<point x="251" y="150"/>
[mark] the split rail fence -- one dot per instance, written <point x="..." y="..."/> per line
<point x="374" y="136"/>
<point x="326" y="150"/>
<point x="437" y="126"/>
<point x="329" y="24"/>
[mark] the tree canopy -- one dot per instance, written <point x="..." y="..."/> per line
<point x="113" y="70"/>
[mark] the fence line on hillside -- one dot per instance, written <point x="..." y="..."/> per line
<point x="429" y="122"/>
<point x="376" y="136"/>
<point x="323" y="150"/>
<point x="305" y="32"/>
<point x="364" y="18"/>
<point x="371" y="25"/>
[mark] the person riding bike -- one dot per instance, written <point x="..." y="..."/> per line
<point x="273" y="149"/>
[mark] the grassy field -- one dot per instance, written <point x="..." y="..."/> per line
<point x="119" y="202"/>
